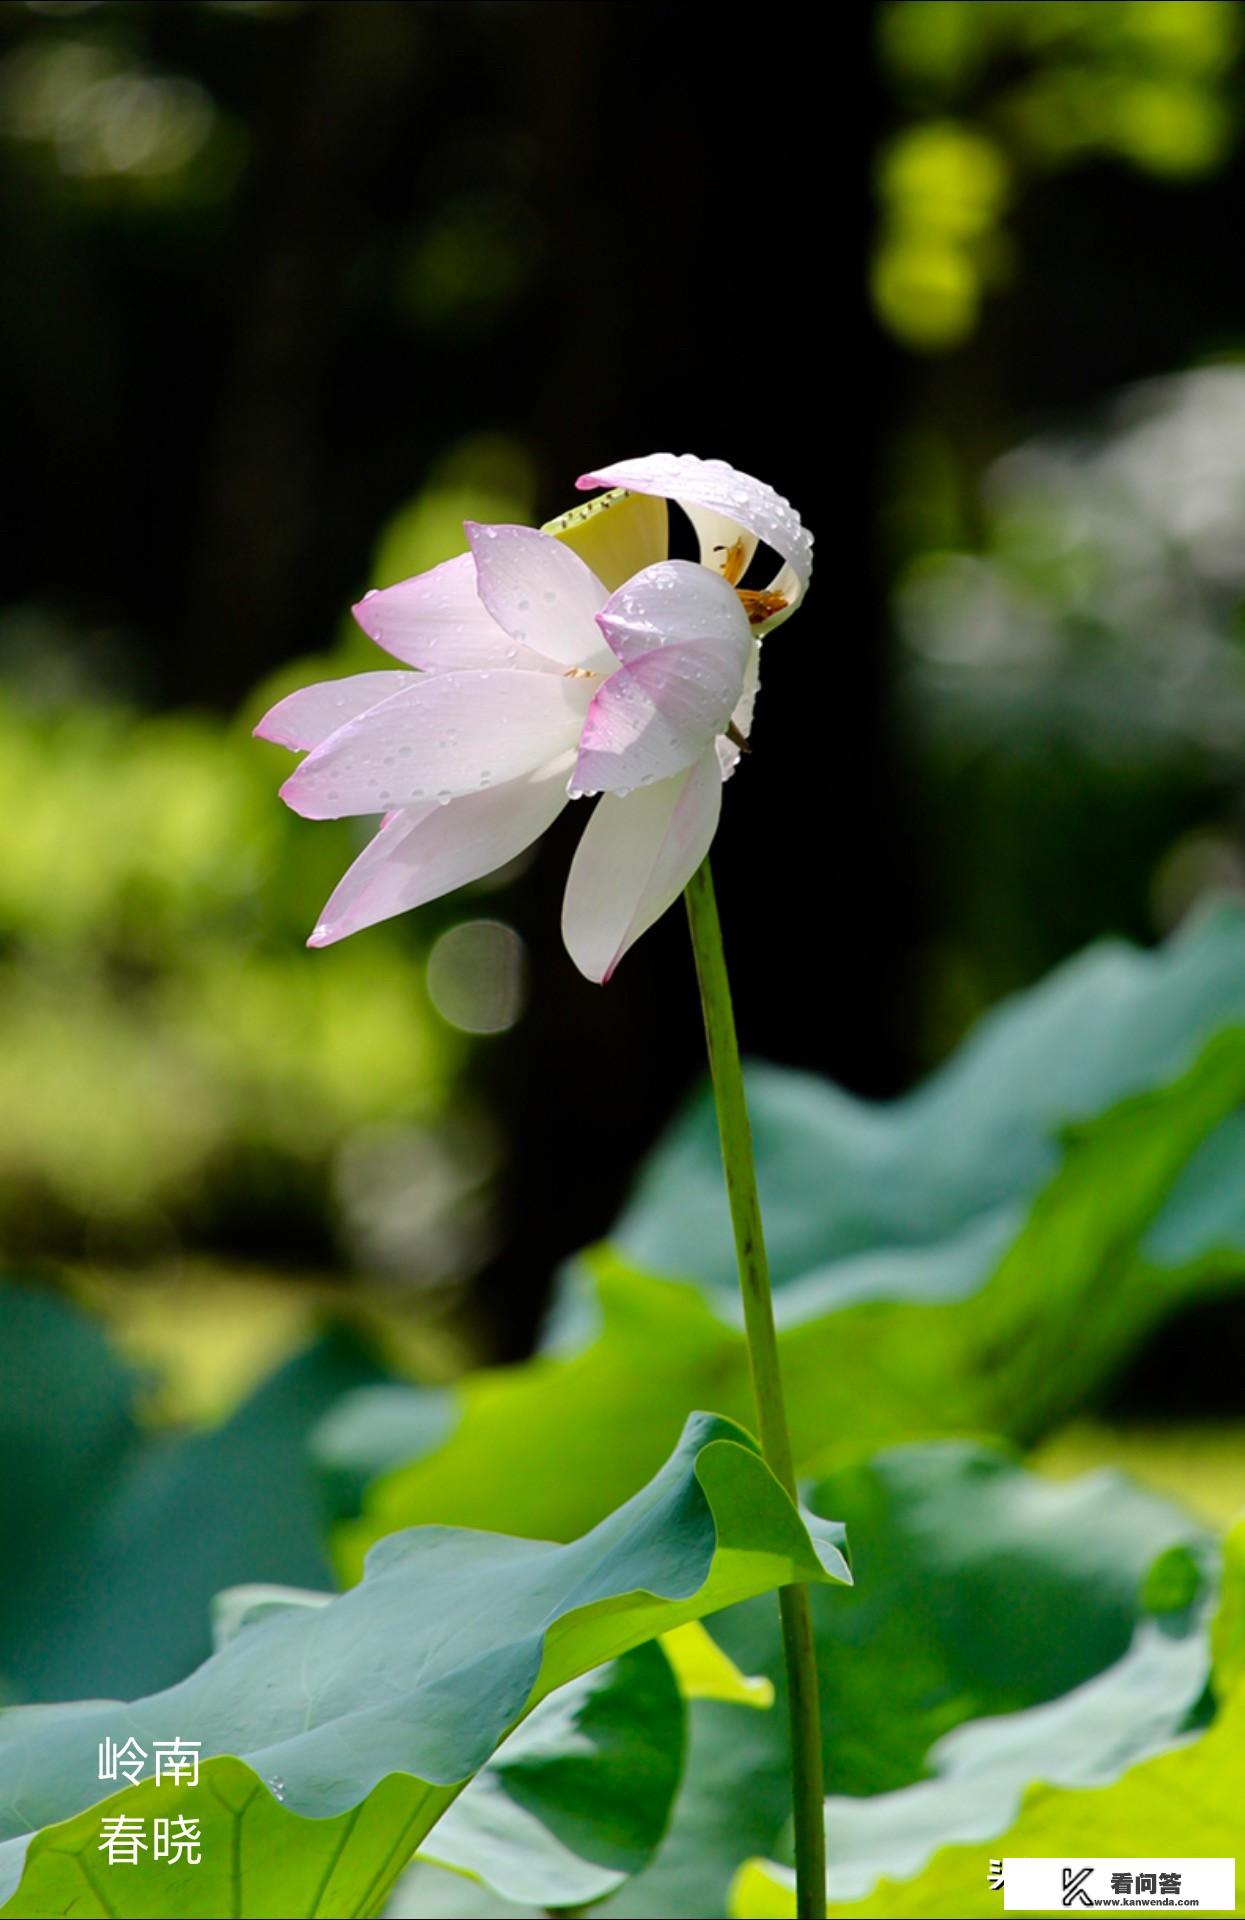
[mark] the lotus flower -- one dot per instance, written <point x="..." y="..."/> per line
<point x="544" y="665"/>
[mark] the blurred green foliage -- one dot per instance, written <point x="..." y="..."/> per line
<point x="1073" y="678"/>
<point x="90" y="121"/>
<point x="984" y="1255"/>
<point x="160" y="1026"/>
<point x="999" y="91"/>
<point x="168" y="1052"/>
<point x="980" y="1257"/>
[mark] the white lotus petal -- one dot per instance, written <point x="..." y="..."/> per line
<point x="437" y="622"/>
<point x="451" y="733"/>
<point x="635" y="858"/>
<point x="721" y="489"/>
<point x="424" y="852"/>
<point x="741" y="719"/>
<point x="543" y="595"/>
<point x="305" y="718"/>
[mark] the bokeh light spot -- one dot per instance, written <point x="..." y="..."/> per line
<point x="477" y="976"/>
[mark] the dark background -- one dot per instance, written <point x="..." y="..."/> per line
<point x="591" y="231"/>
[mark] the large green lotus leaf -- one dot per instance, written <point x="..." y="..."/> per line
<point x="1187" y="1801"/>
<point x="576" y="1799"/>
<point x="842" y="1178"/>
<point x="1005" y="1329"/>
<point x="981" y="1590"/>
<point x="396" y="1692"/>
<point x="115" y="1536"/>
<point x="579" y="1795"/>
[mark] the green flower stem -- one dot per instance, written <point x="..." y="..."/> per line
<point x="808" y="1792"/>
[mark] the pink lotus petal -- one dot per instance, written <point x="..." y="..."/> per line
<point x="436" y="622"/>
<point x="423" y="852"/>
<point x="720" y="489"/>
<point x="654" y="717"/>
<point x="685" y="642"/>
<point x="449" y="734"/>
<point x="676" y="601"/>
<point x="305" y="718"/>
<point x="541" y="593"/>
<point x="635" y="858"/>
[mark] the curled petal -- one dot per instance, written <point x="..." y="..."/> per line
<point x="543" y="595"/>
<point x="438" y="623"/>
<point x="422" y="852"/>
<point x="634" y="860"/>
<point x="305" y="718"/>
<point x="449" y="734"/>
<point x="716" y="488"/>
